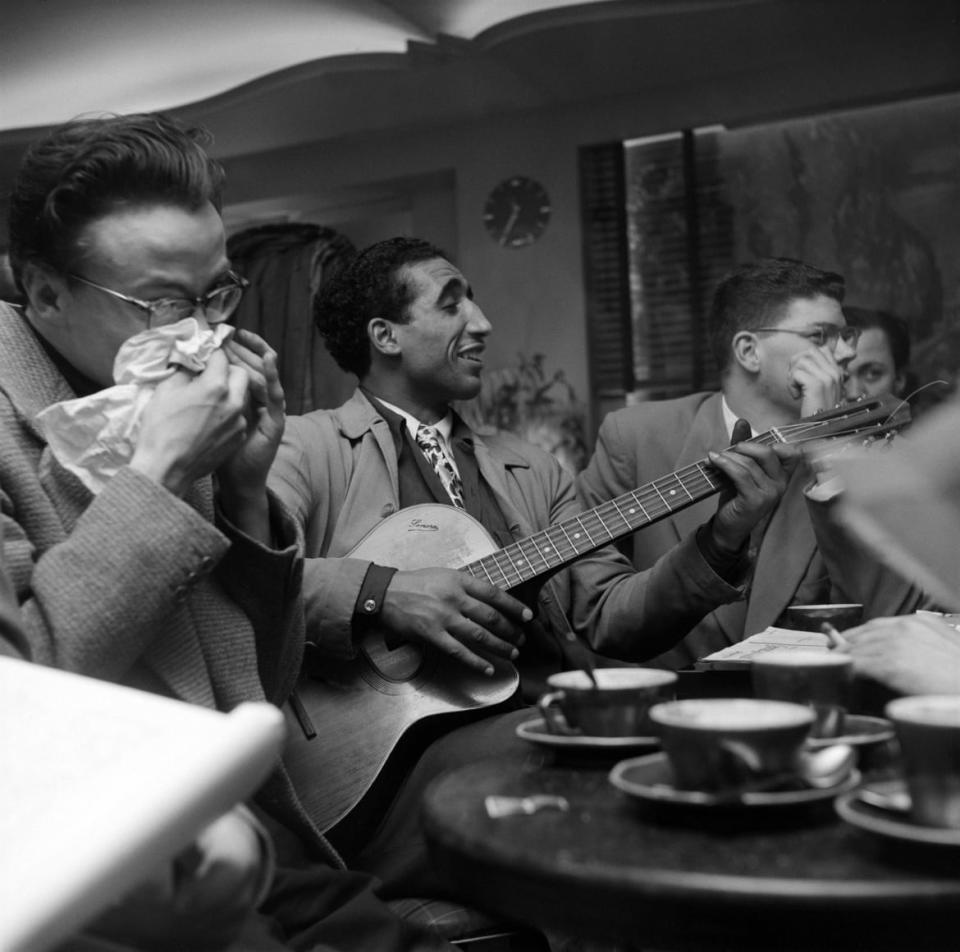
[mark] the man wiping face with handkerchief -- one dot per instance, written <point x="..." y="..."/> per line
<point x="94" y="436"/>
<point x="136" y="432"/>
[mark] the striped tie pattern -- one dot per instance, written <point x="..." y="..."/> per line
<point x="428" y="439"/>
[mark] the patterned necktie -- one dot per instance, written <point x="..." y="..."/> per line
<point x="429" y="441"/>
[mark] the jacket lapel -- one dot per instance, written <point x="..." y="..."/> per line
<point x="707" y="433"/>
<point x="493" y="470"/>
<point x="357" y="416"/>
<point x="31" y="379"/>
<point x="785" y="553"/>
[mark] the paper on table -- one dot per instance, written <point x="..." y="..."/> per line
<point x="94" y="436"/>
<point x="101" y="784"/>
<point x="771" y="639"/>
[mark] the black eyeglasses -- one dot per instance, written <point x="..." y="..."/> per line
<point x="821" y="335"/>
<point x="217" y="305"/>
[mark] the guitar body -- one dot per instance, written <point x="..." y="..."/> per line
<point x="360" y="708"/>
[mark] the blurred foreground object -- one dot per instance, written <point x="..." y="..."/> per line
<point x="101" y="785"/>
<point x="905" y="503"/>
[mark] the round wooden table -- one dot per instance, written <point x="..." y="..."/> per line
<point x="611" y="869"/>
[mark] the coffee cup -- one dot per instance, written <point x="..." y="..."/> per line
<point x="928" y="730"/>
<point x="820" y="679"/>
<point x="720" y="743"/>
<point x="841" y="615"/>
<point x="616" y="707"/>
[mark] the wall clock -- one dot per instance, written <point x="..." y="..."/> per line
<point x="516" y="212"/>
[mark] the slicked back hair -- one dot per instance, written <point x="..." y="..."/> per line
<point x="369" y="286"/>
<point x="89" y="167"/>
<point x="756" y="295"/>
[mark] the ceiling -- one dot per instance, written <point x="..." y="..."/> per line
<point x="61" y="58"/>
<point x="266" y="76"/>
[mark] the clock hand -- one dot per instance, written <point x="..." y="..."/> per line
<point x="511" y="221"/>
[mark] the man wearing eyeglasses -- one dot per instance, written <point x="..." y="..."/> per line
<point x="182" y="574"/>
<point x="782" y="346"/>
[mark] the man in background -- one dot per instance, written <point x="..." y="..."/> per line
<point x="880" y="364"/>
<point x="782" y="345"/>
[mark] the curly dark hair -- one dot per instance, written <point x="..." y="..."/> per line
<point x="753" y="294"/>
<point x="369" y="286"/>
<point x="88" y="167"/>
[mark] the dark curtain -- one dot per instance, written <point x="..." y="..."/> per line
<point x="286" y="264"/>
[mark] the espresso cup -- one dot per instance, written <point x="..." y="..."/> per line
<point x="810" y="617"/>
<point x="819" y="679"/>
<point x="928" y="729"/>
<point x="617" y="707"/>
<point x="720" y="743"/>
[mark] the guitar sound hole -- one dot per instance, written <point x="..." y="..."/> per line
<point x="399" y="662"/>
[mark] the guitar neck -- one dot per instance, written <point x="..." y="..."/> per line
<point x="560" y="544"/>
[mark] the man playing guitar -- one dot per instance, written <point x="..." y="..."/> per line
<point x="403" y="318"/>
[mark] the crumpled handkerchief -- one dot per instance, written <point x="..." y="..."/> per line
<point x="94" y="436"/>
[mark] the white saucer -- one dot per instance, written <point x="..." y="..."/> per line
<point x="892" y="824"/>
<point x="859" y="731"/>
<point x="536" y="732"/>
<point x="650" y="778"/>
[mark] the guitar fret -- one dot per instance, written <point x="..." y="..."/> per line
<point x="533" y="541"/>
<point x="635" y="496"/>
<point x="597" y="519"/>
<point x="663" y="502"/>
<point x="513" y="564"/>
<point x="683" y="486"/>
<point x="619" y="511"/>
<point x="664" y="498"/>
<point x="710" y="482"/>
<point x="555" y="533"/>
<point x="563" y="528"/>
<point x="527" y="567"/>
<point x="586" y="532"/>
<point x="497" y="575"/>
<point x="482" y="565"/>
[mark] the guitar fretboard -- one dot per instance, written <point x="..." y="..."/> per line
<point x="560" y="544"/>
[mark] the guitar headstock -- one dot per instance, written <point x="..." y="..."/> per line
<point x="866" y="418"/>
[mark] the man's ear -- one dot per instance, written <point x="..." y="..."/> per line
<point x="45" y="290"/>
<point x="383" y="336"/>
<point x="745" y="351"/>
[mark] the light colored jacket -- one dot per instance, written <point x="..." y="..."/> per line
<point x="134" y="585"/>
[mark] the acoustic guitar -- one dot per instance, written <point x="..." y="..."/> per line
<point x="346" y="719"/>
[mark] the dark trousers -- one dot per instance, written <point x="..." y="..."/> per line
<point x="384" y="838"/>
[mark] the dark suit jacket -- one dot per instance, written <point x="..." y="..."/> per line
<point x="641" y="443"/>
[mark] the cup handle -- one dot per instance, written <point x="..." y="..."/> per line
<point x="552" y="715"/>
